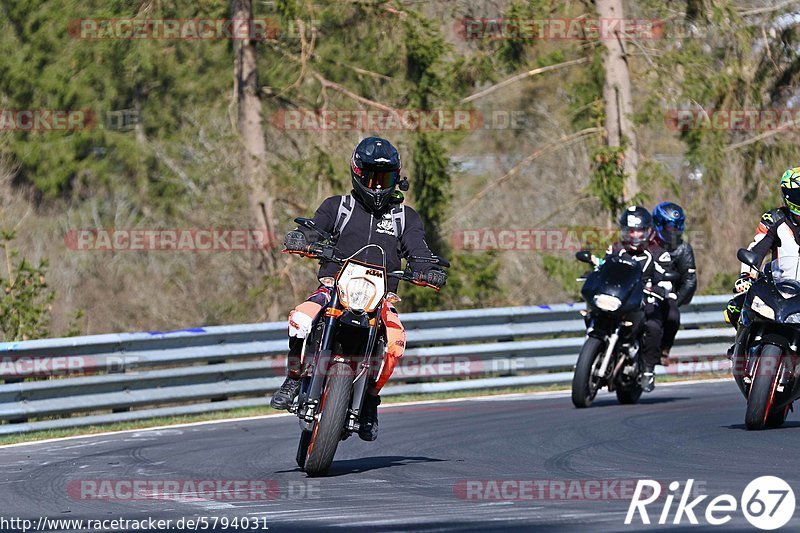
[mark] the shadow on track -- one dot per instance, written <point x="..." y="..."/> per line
<point x="789" y="424"/>
<point x="612" y="401"/>
<point x="358" y="466"/>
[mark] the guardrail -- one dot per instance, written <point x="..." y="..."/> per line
<point x="101" y="379"/>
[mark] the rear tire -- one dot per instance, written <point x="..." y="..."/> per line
<point x="776" y="418"/>
<point x="762" y="390"/>
<point x="584" y="383"/>
<point x="630" y="394"/>
<point x="329" y="426"/>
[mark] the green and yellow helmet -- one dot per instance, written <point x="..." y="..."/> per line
<point x="790" y="189"/>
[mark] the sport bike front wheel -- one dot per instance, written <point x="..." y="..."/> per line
<point x="585" y="382"/>
<point x="762" y="391"/>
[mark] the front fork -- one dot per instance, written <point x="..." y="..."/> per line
<point x="362" y="378"/>
<point x="320" y="365"/>
<point x="612" y="344"/>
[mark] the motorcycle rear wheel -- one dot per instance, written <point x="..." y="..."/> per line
<point x="629" y="395"/>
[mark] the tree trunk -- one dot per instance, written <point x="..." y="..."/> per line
<point x="249" y="123"/>
<point x="617" y="95"/>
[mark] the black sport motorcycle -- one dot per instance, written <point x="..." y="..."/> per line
<point x="765" y="353"/>
<point x="343" y="351"/>
<point x="614" y="295"/>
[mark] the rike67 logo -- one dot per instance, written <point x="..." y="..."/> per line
<point x="766" y="502"/>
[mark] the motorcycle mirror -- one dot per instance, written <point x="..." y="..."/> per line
<point x="310" y="224"/>
<point x="584" y="256"/>
<point x="748" y="257"/>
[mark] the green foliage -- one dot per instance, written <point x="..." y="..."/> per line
<point x="26" y="301"/>
<point x="432" y="186"/>
<point x="652" y="173"/>
<point x="157" y="78"/>
<point x="608" y="178"/>
<point x="565" y="271"/>
<point x="74" y="327"/>
<point x="472" y="283"/>
<point x="586" y="93"/>
<point x="721" y="283"/>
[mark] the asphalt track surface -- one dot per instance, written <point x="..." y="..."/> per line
<point x="414" y="477"/>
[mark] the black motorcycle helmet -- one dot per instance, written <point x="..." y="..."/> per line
<point x="375" y="169"/>
<point x="635" y="227"/>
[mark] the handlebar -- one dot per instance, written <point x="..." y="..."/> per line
<point x="327" y="252"/>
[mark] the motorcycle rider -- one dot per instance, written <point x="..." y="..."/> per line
<point x="777" y="233"/>
<point x="370" y="214"/>
<point x="669" y="221"/>
<point x="636" y="226"/>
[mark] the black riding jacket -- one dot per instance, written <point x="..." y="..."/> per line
<point x="366" y="227"/>
<point x="683" y="263"/>
<point x="654" y="259"/>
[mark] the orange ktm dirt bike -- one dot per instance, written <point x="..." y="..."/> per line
<point x="343" y="350"/>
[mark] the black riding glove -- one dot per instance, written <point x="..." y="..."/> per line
<point x="295" y="241"/>
<point x="743" y="283"/>
<point x="435" y="276"/>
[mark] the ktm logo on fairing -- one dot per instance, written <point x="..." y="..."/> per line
<point x="375" y="273"/>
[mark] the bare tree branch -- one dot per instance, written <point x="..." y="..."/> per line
<point x="338" y="88"/>
<point x="522" y="76"/>
<point x="762" y="136"/>
<point x="560" y="143"/>
<point x="769" y="9"/>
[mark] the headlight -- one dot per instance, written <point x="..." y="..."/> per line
<point x="793" y="319"/>
<point x="606" y="302"/>
<point x="762" y="309"/>
<point x="358" y="294"/>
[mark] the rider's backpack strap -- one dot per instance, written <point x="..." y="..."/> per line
<point x="346" y="205"/>
<point x="399" y="219"/>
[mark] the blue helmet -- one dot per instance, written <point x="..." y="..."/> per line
<point x="669" y="221"/>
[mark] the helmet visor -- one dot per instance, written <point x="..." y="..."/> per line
<point x="378" y="180"/>
<point x="793" y="207"/>
<point x="670" y="230"/>
<point x="634" y="236"/>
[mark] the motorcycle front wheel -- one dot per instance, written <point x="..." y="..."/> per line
<point x="329" y="426"/>
<point x="762" y="391"/>
<point x="585" y="382"/>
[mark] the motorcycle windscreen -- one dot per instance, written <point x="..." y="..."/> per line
<point x="786" y="275"/>
<point x="618" y="277"/>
